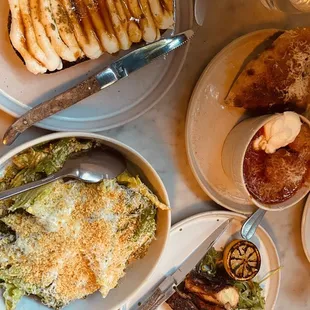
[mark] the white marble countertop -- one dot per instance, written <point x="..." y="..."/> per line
<point x="159" y="137"/>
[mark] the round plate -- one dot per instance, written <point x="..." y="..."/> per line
<point x="305" y="229"/>
<point x="188" y="234"/>
<point x="126" y="100"/>
<point x="209" y="122"/>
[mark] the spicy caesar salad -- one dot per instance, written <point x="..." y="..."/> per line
<point x="67" y="240"/>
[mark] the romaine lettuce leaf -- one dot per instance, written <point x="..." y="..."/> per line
<point x="28" y="159"/>
<point x="146" y="225"/>
<point x="35" y="164"/>
<point x="11" y="295"/>
<point x="136" y="184"/>
<point x="15" y="287"/>
<point x="59" y="154"/>
<point x="25" y="200"/>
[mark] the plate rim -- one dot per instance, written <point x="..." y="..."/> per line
<point x="190" y="110"/>
<point x="228" y="214"/>
<point x="304" y="220"/>
<point x="52" y="123"/>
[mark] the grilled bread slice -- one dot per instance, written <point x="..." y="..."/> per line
<point x="51" y="35"/>
<point x="278" y="79"/>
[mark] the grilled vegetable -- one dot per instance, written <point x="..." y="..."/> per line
<point x="221" y="294"/>
<point x="241" y="260"/>
<point x="51" y="35"/>
<point x="188" y="301"/>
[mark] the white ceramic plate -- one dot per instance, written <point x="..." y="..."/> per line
<point x="138" y="272"/>
<point x="209" y="122"/>
<point x="188" y="234"/>
<point x="305" y="229"/>
<point x="126" y="100"/>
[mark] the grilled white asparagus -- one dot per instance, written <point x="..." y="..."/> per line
<point x="52" y="31"/>
<point x="120" y="29"/>
<point x="85" y="20"/>
<point x="54" y="61"/>
<point x="168" y="4"/>
<point x="147" y="22"/>
<point x="65" y="28"/>
<point x="18" y="39"/>
<point x="133" y="30"/>
<point x="108" y="40"/>
<point x="134" y="8"/>
<point x="87" y="40"/>
<point x="163" y="18"/>
<point x="30" y="35"/>
<point x="46" y="32"/>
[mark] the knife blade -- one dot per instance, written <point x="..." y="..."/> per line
<point x="118" y="70"/>
<point x="200" y="11"/>
<point x="265" y="44"/>
<point x="167" y="287"/>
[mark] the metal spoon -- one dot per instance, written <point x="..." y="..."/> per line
<point x="200" y="11"/>
<point x="91" y="167"/>
<point x="250" y="225"/>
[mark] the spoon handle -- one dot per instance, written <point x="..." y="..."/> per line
<point x="32" y="185"/>
<point x="250" y="225"/>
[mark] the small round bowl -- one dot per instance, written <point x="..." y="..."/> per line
<point x="137" y="273"/>
<point x="233" y="154"/>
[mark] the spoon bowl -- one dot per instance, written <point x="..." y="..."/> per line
<point x="250" y="225"/>
<point x="91" y="167"/>
<point x="94" y="166"/>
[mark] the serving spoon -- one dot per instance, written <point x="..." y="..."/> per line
<point x="91" y="167"/>
<point x="250" y="225"/>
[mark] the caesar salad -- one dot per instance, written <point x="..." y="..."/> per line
<point x="66" y="240"/>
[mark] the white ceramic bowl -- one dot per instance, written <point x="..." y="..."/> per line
<point x="233" y="154"/>
<point x="137" y="273"/>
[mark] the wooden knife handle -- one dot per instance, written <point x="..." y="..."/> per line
<point x="152" y="301"/>
<point x="157" y="299"/>
<point x="51" y="107"/>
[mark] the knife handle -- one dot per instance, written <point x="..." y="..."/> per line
<point x="157" y="299"/>
<point x="50" y="107"/>
<point x="152" y="300"/>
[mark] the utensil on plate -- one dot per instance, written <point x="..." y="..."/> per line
<point x="167" y="287"/>
<point x="267" y="43"/>
<point x="91" y="167"/>
<point x="200" y="11"/>
<point x="249" y="227"/>
<point x="118" y="70"/>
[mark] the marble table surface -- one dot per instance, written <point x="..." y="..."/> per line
<point x="159" y="137"/>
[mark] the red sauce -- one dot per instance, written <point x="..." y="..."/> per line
<point x="274" y="178"/>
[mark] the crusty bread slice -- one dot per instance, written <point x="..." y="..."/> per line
<point x="278" y="79"/>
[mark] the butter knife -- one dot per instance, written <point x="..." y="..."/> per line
<point x="118" y="70"/>
<point x="167" y="287"/>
